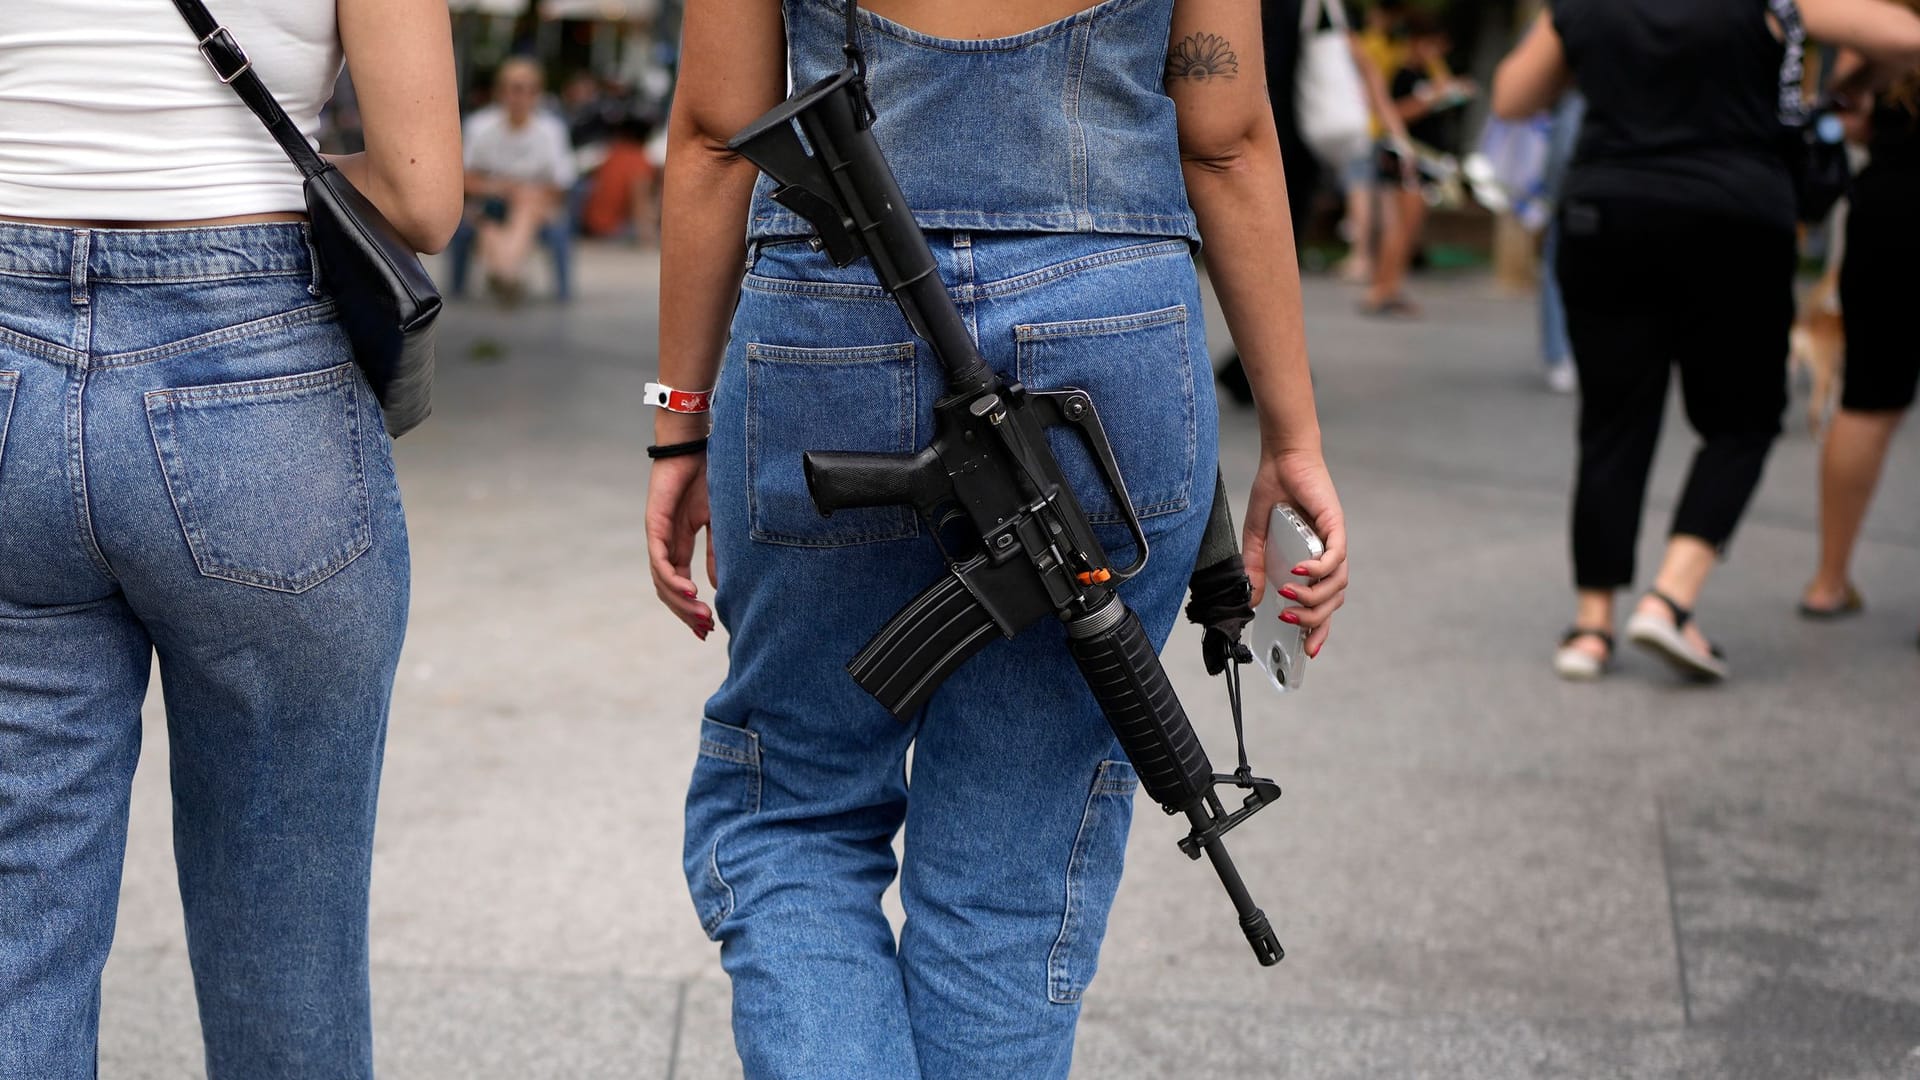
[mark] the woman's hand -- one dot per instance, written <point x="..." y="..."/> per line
<point x="1299" y="478"/>
<point x="676" y="511"/>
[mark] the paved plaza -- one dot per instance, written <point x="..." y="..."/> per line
<point x="1478" y="871"/>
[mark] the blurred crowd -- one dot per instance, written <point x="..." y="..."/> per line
<point x="545" y="166"/>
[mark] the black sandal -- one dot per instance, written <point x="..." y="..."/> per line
<point x="1852" y="604"/>
<point x="1667" y="641"/>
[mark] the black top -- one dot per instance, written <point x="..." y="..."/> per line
<point x="1280" y="39"/>
<point x="1683" y="106"/>
<point x="1437" y="127"/>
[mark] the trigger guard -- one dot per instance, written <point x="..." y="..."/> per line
<point x="1072" y="405"/>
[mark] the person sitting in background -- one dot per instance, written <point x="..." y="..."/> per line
<point x="1425" y="93"/>
<point x="519" y="166"/>
<point x="624" y="199"/>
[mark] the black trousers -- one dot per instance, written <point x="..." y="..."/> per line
<point x="1649" y="290"/>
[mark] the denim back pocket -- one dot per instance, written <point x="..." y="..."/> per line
<point x="9" y="380"/>
<point x="725" y="790"/>
<point x="267" y="476"/>
<point x="1139" y="372"/>
<point x="1093" y="877"/>
<point x="800" y="399"/>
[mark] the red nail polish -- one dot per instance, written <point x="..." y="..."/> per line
<point x="1315" y="654"/>
<point x="689" y="594"/>
<point x="1287" y="591"/>
<point x="1289" y="617"/>
<point x="1299" y="571"/>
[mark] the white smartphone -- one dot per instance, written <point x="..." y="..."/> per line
<point x="1281" y="648"/>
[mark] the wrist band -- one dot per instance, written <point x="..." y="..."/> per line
<point x="678" y="449"/>
<point x="662" y="396"/>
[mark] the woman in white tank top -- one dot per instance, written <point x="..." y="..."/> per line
<point x="191" y="467"/>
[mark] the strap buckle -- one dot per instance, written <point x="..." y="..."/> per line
<point x="223" y="42"/>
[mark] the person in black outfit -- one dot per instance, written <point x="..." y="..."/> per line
<point x="1883" y="350"/>
<point x="1678" y="249"/>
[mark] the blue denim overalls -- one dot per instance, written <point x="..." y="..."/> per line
<point x="1046" y="168"/>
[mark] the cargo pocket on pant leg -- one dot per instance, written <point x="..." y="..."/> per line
<point x="1093" y="877"/>
<point x="725" y="792"/>
<point x="267" y="476"/>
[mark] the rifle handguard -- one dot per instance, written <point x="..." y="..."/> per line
<point x="1124" y="673"/>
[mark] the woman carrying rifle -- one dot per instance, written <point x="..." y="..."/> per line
<point x="1064" y="163"/>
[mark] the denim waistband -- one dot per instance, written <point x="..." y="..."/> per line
<point x="155" y="255"/>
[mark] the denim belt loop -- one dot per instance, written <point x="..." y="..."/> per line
<point x="962" y="240"/>
<point x="753" y="254"/>
<point x="77" y="270"/>
<point x="313" y="258"/>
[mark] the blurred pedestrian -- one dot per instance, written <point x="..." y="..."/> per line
<point x="1282" y="41"/>
<point x="1426" y="96"/>
<point x="1882" y="332"/>
<point x="193" y="468"/>
<point x="1379" y="52"/>
<point x="1069" y="243"/>
<point x="1677" y="249"/>
<point x="519" y="164"/>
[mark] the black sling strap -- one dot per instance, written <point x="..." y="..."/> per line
<point x="229" y="61"/>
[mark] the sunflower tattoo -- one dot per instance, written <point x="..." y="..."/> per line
<point x="1202" y="57"/>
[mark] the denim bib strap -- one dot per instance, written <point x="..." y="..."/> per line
<point x="1063" y="128"/>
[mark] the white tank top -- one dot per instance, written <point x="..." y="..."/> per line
<point x="109" y="112"/>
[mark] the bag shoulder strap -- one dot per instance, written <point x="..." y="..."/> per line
<point x="1309" y="18"/>
<point x="1337" y="16"/>
<point x="229" y="62"/>
<point x="1793" y="32"/>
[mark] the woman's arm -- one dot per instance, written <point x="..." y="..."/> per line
<point x="1231" y="157"/>
<point x="1886" y="33"/>
<point x="1534" y="75"/>
<point x="1379" y="97"/>
<point x="732" y="69"/>
<point x="400" y="54"/>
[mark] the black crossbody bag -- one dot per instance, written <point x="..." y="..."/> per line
<point x="387" y="302"/>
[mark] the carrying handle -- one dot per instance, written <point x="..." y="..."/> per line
<point x="230" y="64"/>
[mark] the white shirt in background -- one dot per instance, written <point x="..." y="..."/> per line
<point x="538" y="151"/>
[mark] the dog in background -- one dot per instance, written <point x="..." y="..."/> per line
<point x="1818" y="346"/>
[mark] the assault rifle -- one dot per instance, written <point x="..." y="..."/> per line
<point x="1026" y="548"/>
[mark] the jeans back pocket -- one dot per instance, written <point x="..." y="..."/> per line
<point x="800" y="399"/>
<point x="267" y="476"/>
<point x="1139" y="371"/>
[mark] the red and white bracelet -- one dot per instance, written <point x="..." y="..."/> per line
<point x="662" y="396"/>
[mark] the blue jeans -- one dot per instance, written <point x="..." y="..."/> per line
<point x="1556" y="348"/>
<point x="1017" y="812"/>
<point x="191" y="466"/>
